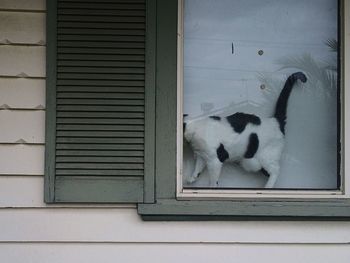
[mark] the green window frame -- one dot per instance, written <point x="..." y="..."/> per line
<point x="156" y="192"/>
<point x="170" y="206"/>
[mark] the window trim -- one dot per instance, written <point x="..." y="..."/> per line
<point x="167" y="205"/>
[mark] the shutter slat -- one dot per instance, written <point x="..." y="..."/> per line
<point x="101" y="19"/>
<point x="101" y="38"/>
<point x="103" y="64"/>
<point x="107" y="82"/>
<point x="103" y="134"/>
<point x="100" y="44"/>
<point x="101" y="102"/>
<point x="110" y="51"/>
<point x="101" y="57"/>
<point x="114" y="172"/>
<point x="90" y="127"/>
<point x="95" y="5"/>
<point x="100" y="147"/>
<point x="95" y="142"/>
<point x="100" y="12"/>
<point x="106" y="70"/>
<point x="90" y="108"/>
<point x="101" y="76"/>
<point x="99" y="89"/>
<point x="100" y="121"/>
<point x="98" y="159"/>
<point x="117" y="153"/>
<point x="103" y="25"/>
<point x="110" y="32"/>
<point x="102" y="115"/>
<point x="102" y="2"/>
<point x="99" y="166"/>
<point x="102" y="95"/>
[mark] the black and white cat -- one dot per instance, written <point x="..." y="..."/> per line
<point x="255" y="143"/>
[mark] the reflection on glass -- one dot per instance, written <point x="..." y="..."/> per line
<point x="238" y="56"/>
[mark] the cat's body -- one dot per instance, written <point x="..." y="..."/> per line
<point x="256" y="143"/>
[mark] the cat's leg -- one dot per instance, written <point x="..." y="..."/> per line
<point x="198" y="168"/>
<point x="273" y="170"/>
<point x="251" y="165"/>
<point x="270" y="161"/>
<point x="214" y="169"/>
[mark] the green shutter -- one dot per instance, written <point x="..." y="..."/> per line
<point x="96" y="56"/>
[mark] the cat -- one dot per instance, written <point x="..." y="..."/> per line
<point x="255" y="143"/>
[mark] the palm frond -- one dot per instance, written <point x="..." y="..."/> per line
<point x="320" y="74"/>
<point x="272" y="85"/>
<point x="332" y="44"/>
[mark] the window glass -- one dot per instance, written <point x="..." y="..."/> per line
<point x="237" y="57"/>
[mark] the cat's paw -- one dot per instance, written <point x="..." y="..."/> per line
<point x="191" y="179"/>
<point x="214" y="184"/>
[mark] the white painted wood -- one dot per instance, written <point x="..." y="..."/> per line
<point x="22" y="5"/>
<point x="19" y="27"/>
<point x="29" y="60"/>
<point x="172" y="253"/>
<point x="21" y="191"/>
<point x="28" y="192"/>
<point x="346" y="116"/>
<point x="124" y="225"/>
<point x="21" y="93"/>
<point x="22" y="125"/>
<point x="179" y="95"/>
<point x="21" y="159"/>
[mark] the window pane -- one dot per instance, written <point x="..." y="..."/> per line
<point x="237" y="57"/>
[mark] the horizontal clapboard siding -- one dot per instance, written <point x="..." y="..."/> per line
<point x="100" y="100"/>
<point x="159" y="253"/>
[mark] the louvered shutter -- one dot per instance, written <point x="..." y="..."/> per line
<point x="96" y="101"/>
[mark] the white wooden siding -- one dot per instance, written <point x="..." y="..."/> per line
<point x="22" y="27"/>
<point x="122" y="225"/>
<point x="31" y="231"/>
<point x="21" y="159"/>
<point x="172" y="253"/>
<point x="21" y="5"/>
<point x="19" y="61"/>
<point x="26" y="126"/>
<point x="22" y="93"/>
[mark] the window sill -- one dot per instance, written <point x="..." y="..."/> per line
<point x="252" y="209"/>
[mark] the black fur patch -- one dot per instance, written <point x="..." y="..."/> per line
<point x="239" y="121"/>
<point x="252" y="147"/>
<point x="222" y="153"/>
<point x="217" y="118"/>
<point x="184" y="124"/>
<point x="264" y="172"/>
<point x="282" y="102"/>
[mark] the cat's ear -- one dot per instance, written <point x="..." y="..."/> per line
<point x="184" y="116"/>
<point x="184" y="123"/>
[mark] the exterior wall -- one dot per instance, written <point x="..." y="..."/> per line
<point x="31" y="231"/>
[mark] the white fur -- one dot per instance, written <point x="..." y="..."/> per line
<point x="206" y="135"/>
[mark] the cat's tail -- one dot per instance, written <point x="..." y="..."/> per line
<point x="282" y="102"/>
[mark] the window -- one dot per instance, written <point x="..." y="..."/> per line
<point x="234" y="60"/>
<point x="113" y="116"/>
<point x="176" y="201"/>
